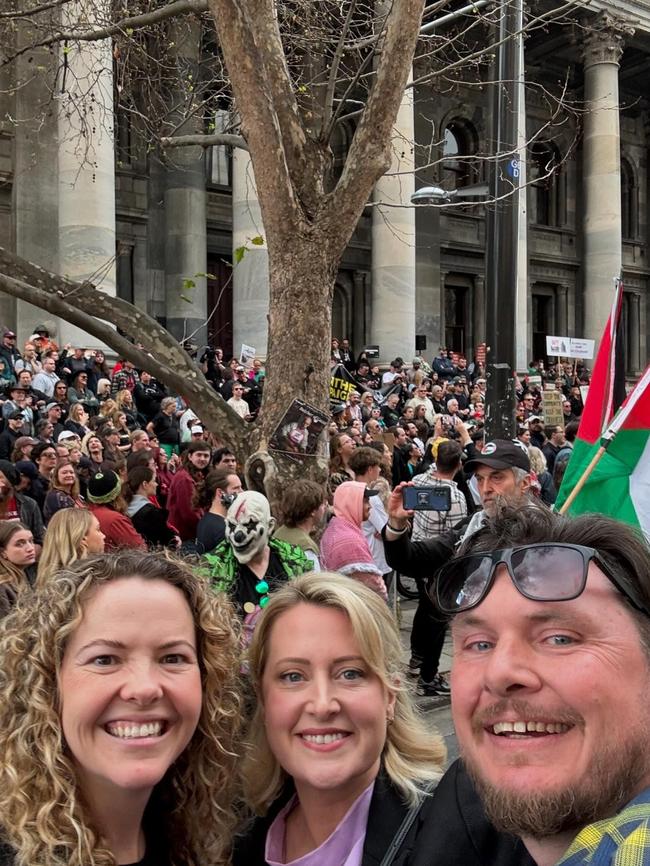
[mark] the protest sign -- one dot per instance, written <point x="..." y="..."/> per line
<point x="297" y="433"/>
<point x="342" y="384"/>
<point x="569" y="347"/>
<point x="247" y="355"/>
<point x="552" y="403"/>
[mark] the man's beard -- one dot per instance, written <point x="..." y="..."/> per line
<point x="615" y="776"/>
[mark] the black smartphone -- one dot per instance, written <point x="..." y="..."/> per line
<point x="427" y="498"/>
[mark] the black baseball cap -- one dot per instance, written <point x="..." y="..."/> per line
<point x="368" y="492"/>
<point x="501" y="454"/>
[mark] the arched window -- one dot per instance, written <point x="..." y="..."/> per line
<point x="629" y="201"/>
<point x="544" y="179"/>
<point x="459" y="145"/>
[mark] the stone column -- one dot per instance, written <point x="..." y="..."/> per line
<point x="35" y="180"/>
<point x="186" y="255"/>
<point x="86" y="159"/>
<point x="393" y="246"/>
<point x="602" y="244"/>
<point x="251" y="274"/>
<point x="562" y="311"/>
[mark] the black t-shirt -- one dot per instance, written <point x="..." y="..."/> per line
<point x="244" y="588"/>
<point x="210" y="532"/>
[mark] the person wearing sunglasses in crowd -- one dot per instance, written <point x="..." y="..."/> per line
<point x="550" y="620"/>
<point x="502" y="474"/>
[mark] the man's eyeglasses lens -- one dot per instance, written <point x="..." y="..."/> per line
<point x="540" y="572"/>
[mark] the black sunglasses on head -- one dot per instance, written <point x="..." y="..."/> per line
<point x="549" y="571"/>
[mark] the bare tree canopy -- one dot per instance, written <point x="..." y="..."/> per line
<point x="288" y="73"/>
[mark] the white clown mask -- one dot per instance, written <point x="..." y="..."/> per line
<point x="249" y="525"/>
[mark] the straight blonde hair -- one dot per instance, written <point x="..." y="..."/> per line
<point x="413" y="755"/>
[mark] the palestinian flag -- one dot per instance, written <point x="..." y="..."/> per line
<point x="619" y="485"/>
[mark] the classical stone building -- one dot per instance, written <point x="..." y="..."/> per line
<point x="407" y="273"/>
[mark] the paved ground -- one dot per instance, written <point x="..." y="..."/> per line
<point x="436" y="709"/>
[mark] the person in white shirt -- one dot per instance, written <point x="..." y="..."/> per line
<point x="366" y="465"/>
<point x="47" y="378"/>
<point x="238" y="403"/>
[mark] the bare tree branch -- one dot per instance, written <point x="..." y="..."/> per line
<point x="135" y="22"/>
<point x="207" y="140"/>
<point x="369" y="154"/>
<point x="35" y="10"/>
<point x="336" y="62"/>
<point x="241" y="39"/>
<point x="85" y="306"/>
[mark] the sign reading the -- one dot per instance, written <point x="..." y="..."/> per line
<point x="340" y="389"/>
<point x="569" y="347"/>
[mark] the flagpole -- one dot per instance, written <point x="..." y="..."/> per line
<point x="568" y="502"/>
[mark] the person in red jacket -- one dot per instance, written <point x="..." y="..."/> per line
<point x="106" y="503"/>
<point x="182" y="516"/>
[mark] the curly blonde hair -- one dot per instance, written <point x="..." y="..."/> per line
<point x="413" y="755"/>
<point x="43" y="813"/>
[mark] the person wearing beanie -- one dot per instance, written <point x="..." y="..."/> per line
<point x="106" y="503"/>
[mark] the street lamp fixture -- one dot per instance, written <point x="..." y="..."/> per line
<point x="432" y="195"/>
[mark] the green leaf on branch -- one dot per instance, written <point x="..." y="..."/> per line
<point x="258" y="241"/>
<point x="188" y="284"/>
<point x="240" y="252"/>
<point x="185" y="298"/>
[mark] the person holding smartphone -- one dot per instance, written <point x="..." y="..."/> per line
<point x="428" y="632"/>
<point x="502" y="472"/>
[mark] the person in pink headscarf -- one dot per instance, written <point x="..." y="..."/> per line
<point x="343" y="547"/>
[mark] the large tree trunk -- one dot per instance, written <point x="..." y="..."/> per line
<point x="300" y="320"/>
<point x="301" y="289"/>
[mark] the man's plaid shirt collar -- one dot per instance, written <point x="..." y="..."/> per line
<point x="623" y="840"/>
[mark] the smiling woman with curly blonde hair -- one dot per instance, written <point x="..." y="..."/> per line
<point x="119" y="718"/>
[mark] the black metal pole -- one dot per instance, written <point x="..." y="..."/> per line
<point x="501" y="252"/>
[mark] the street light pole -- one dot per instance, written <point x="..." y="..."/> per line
<point x="502" y="227"/>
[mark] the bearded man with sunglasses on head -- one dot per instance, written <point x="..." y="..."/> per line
<point x="501" y="474"/>
<point x="550" y="620"/>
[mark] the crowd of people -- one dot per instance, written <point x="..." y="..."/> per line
<point x="193" y="674"/>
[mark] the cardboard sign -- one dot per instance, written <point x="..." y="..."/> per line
<point x="480" y="353"/>
<point x="569" y="347"/>
<point x="298" y="432"/>
<point x="552" y="403"/>
<point x="371" y="352"/>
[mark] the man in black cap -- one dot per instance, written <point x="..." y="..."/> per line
<point x="13" y="431"/>
<point x="502" y="475"/>
<point x="8" y="349"/>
